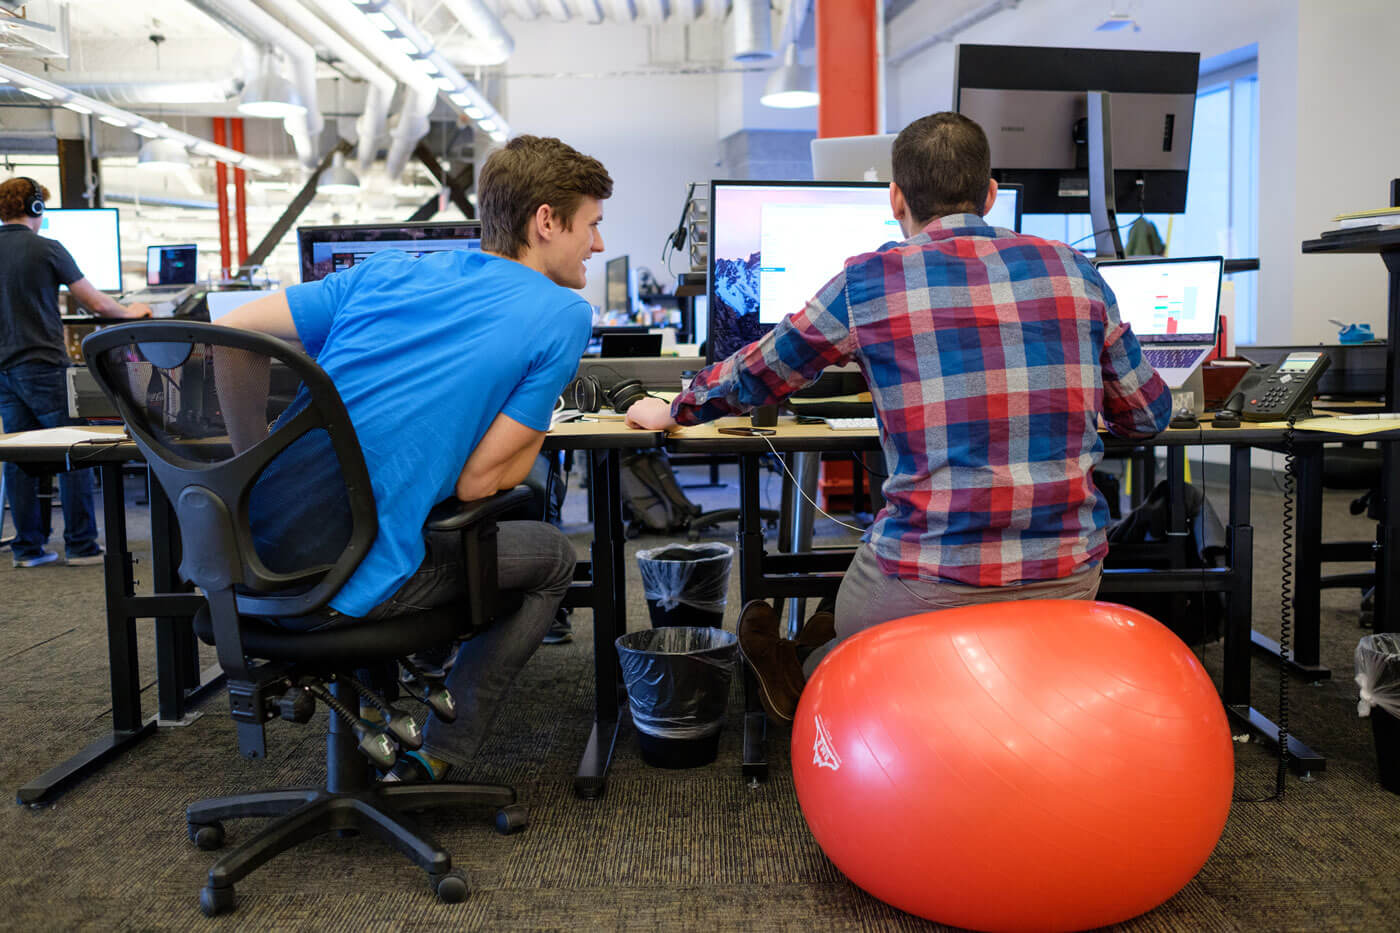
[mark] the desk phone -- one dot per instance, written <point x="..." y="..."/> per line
<point x="1278" y="392"/>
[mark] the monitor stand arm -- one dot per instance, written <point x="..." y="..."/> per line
<point x="1102" y="198"/>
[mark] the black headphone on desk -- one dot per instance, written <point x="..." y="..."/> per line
<point x="589" y="395"/>
<point x="34" y="205"/>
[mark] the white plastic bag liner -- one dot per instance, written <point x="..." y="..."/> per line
<point x="695" y="575"/>
<point x="678" y="679"/>
<point x="1378" y="673"/>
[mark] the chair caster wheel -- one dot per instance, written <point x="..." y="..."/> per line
<point x="511" y="819"/>
<point x="207" y="836"/>
<point x="215" y="900"/>
<point x="450" y="887"/>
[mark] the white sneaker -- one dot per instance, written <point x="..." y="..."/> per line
<point x="87" y="560"/>
<point x="44" y="557"/>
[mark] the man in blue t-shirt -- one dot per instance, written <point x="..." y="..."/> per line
<point x="449" y="366"/>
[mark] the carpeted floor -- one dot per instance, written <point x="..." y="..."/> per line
<point x="697" y="849"/>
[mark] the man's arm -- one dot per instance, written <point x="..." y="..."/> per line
<point x="501" y="460"/>
<point x="103" y="304"/>
<point x="270" y="315"/>
<point x="1136" y="402"/>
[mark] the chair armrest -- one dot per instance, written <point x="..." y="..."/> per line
<point x="454" y="515"/>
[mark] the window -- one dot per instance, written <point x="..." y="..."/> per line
<point x="1222" y="198"/>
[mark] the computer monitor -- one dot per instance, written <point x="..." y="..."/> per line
<point x="1006" y="211"/>
<point x="171" y="265"/>
<point x="620" y="291"/>
<point x="1032" y="102"/>
<point x="332" y="249"/>
<point x="774" y="244"/>
<point x="93" y="237"/>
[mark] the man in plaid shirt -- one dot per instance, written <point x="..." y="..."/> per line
<point x="990" y="356"/>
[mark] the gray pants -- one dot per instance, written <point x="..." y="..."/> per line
<point x="869" y="596"/>
<point x="535" y="564"/>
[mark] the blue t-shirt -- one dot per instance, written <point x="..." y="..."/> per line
<point x="425" y="354"/>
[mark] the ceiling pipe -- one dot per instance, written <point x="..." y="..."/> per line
<point x="412" y="126"/>
<point x="489" y="44"/>
<point x="751" y="26"/>
<point x="371" y="126"/>
<point x="246" y="19"/>
<point x="131" y="91"/>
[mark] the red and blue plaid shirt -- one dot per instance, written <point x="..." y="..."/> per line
<point x="990" y="356"/>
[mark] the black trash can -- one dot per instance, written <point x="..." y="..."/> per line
<point x="1378" y="675"/>
<point x="677" y="689"/>
<point x="686" y="584"/>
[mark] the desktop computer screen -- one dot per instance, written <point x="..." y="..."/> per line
<point x="773" y="245"/>
<point x="619" y="292"/>
<point x="1006" y="212"/>
<point x="332" y="249"/>
<point x="92" y="236"/>
<point x="1166" y="299"/>
<point x="171" y="265"/>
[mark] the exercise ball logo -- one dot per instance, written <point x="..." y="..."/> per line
<point x="823" y="750"/>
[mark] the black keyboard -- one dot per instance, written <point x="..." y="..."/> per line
<point x="1173" y="358"/>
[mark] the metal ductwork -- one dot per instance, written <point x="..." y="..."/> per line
<point x="412" y="126"/>
<point x="751" y="28"/>
<point x="489" y="44"/>
<point x="373" y="120"/>
<point x="245" y="19"/>
<point x="133" y="91"/>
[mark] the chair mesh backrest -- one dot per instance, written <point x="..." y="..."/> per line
<point x="252" y="422"/>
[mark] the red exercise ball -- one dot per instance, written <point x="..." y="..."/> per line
<point x="1033" y="765"/>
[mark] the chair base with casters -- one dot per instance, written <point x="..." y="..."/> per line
<point x="352" y="799"/>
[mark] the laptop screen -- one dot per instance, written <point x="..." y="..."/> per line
<point x="1167" y="300"/>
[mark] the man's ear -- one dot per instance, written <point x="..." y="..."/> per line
<point x="991" y="197"/>
<point x="898" y="206"/>
<point x="545" y="223"/>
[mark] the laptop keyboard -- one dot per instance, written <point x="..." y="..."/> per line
<point x="1163" y="358"/>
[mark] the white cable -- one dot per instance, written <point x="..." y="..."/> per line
<point x="802" y="491"/>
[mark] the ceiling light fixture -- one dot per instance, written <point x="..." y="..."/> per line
<point x="269" y="94"/>
<point x="163" y="155"/>
<point x="338" y="179"/>
<point x="792" y="85"/>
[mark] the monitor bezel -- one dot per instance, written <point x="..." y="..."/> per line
<point x="626" y="263"/>
<point x="715" y="184"/>
<point x="116" y="214"/>
<point x="305" y="235"/>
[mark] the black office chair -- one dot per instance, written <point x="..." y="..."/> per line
<point x="228" y="451"/>
<point x="1352" y="467"/>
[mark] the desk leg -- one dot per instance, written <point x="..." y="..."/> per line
<point x="1388" y="555"/>
<point x="1238" y="624"/>
<point x="755" y="765"/>
<point x="127" y="725"/>
<point x="609" y="621"/>
<point x="1307" y="595"/>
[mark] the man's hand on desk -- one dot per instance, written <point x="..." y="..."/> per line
<point x="651" y="414"/>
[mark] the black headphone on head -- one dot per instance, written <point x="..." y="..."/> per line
<point x="34" y="204"/>
<point x="589" y="395"/>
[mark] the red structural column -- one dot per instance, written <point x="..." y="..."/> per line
<point x="847" y="65"/>
<point x="240" y="195"/>
<point x="221" y="184"/>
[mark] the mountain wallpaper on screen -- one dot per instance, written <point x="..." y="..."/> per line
<point x="734" y="307"/>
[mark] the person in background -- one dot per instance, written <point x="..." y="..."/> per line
<point x="33" y="361"/>
<point x="991" y="356"/>
<point x="449" y="365"/>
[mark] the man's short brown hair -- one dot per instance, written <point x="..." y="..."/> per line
<point x="528" y="172"/>
<point x="15" y="195"/>
<point x="943" y="165"/>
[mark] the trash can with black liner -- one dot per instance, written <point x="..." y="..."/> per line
<point x="686" y="584"/>
<point x="1378" y="676"/>
<point x="677" y="681"/>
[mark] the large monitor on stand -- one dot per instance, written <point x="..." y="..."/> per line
<point x="333" y="249"/>
<point x="93" y="237"/>
<point x="1084" y="130"/>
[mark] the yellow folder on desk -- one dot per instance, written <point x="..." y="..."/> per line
<point x="1352" y="425"/>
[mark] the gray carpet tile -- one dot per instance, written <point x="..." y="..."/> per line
<point x="694" y="849"/>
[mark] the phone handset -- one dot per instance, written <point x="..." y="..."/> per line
<point x="1276" y="393"/>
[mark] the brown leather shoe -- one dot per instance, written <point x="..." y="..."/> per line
<point x="773" y="659"/>
<point x="820" y="628"/>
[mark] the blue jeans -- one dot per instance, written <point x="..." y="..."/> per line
<point x="534" y="566"/>
<point x="35" y="395"/>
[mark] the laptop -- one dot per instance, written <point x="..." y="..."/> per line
<point x="1173" y="306"/>
<point x="853" y="158"/>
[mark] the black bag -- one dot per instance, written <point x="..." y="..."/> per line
<point x="652" y="500"/>
<point x="1139" y="541"/>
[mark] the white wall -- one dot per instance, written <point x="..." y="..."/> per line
<point x="655" y="133"/>
<point x="1328" y="138"/>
